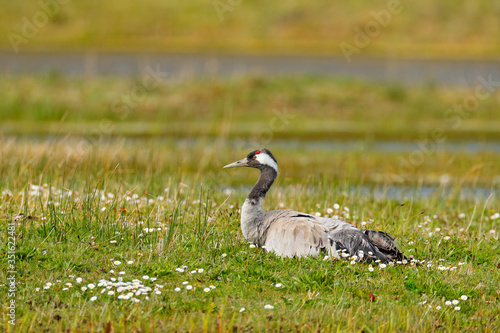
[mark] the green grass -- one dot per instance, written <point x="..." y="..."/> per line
<point x="80" y="184"/>
<point x="425" y="29"/>
<point x="185" y="194"/>
<point x="246" y="108"/>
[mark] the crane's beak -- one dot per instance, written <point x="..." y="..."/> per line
<point x="240" y="163"/>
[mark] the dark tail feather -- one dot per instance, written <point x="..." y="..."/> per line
<point x="385" y="244"/>
<point x="374" y="245"/>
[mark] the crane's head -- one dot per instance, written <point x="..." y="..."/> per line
<point x="259" y="159"/>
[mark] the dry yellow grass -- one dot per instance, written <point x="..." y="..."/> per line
<point x="412" y="29"/>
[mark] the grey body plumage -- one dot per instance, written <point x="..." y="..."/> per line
<point x="290" y="233"/>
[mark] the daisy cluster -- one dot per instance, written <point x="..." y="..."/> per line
<point x="337" y="212"/>
<point x="447" y="303"/>
<point x="439" y="264"/>
<point x="437" y="231"/>
<point x="134" y="290"/>
<point x="52" y="196"/>
<point x="64" y="201"/>
<point x="190" y="286"/>
<point x="344" y="256"/>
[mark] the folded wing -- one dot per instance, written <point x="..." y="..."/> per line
<point x="294" y="234"/>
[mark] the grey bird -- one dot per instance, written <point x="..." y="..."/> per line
<point x="289" y="233"/>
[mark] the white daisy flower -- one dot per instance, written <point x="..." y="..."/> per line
<point x="268" y="307"/>
<point x="93" y="298"/>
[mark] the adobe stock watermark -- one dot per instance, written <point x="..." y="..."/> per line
<point x="263" y="137"/>
<point x="11" y="273"/>
<point x="372" y="29"/>
<point x="452" y="119"/>
<point x="265" y="134"/>
<point x="31" y="25"/>
<point x="223" y="6"/>
<point x="123" y="108"/>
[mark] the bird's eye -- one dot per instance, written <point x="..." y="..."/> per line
<point x="254" y="157"/>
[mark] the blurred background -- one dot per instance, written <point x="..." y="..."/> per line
<point x="391" y="95"/>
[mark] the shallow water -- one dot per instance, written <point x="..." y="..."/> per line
<point x="178" y="66"/>
<point x="396" y="192"/>
<point x="384" y="146"/>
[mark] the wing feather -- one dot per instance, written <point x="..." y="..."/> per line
<point x="293" y="234"/>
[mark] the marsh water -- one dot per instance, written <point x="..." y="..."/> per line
<point x="450" y="72"/>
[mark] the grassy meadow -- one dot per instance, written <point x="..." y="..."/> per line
<point x="126" y="222"/>
<point x="450" y="29"/>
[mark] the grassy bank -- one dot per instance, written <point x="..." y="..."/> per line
<point x="126" y="237"/>
<point x="249" y="108"/>
<point x="424" y="29"/>
<point x="124" y="220"/>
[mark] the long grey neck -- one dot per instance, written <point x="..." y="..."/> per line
<point x="266" y="180"/>
<point x="252" y="216"/>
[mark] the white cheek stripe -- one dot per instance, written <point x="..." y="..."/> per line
<point x="263" y="158"/>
